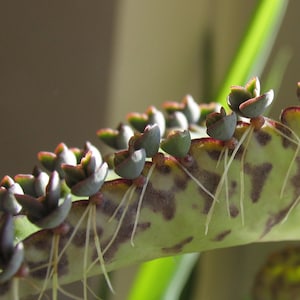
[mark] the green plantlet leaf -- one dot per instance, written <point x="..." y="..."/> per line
<point x="221" y="126"/>
<point x="91" y="184"/>
<point x="255" y="107"/>
<point x="253" y="86"/>
<point x="191" y="109"/>
<point x="177" y="120"/>
<point x="8" y="201"/>
<point x="177" y="143"/>
<point x="138" y="121"/>
<point x="6" y="237"/>
<point x="73" y="174"/>
<point x="117" y="139"/>
<point x="52" y="191"/>
<point x="129" y="165"/>
<point x="13" y="264"/>
<point x="148" y="140"/>
<point x="33" y="184"/>
<point x="47" y="159"/>
<point x="237" y="96"/>
<point x="56" y="216"/>
<point x="289" y="116"/>
<point x="32" y="206"/>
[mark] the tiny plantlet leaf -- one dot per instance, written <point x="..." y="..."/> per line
<point x="177" y="143"/>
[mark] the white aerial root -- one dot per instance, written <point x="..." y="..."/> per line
<point x="99" y="250"/>
<point x="15" y="289"/>
<point x="198" y="183"/>
<point x="126" y="198"/>
<point x="92" y="226"/>
<point x="82" y="217"/>
<point x="297" y="143"/>
<point x="86" y="249"/>
<point x="54" y="257"/>
<point x="223" y="179"/>
<point x="51" y="273"/>
<point x="242" y="177"/>
<point x="49" y="269"/>
<point x="140" y="201"/>
<point x="226" y="182"/>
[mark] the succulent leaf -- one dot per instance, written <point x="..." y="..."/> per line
<point x="91" y="184"/>
<point x="117" y="139"/>
<point x="177" y="143"/>
<point x="129" y="165"/>
<point x="13" y="264"/>
<point x="247" y="100"/>
<point x="55" y="217"/>
<point x="255" y="107"/>
<point x="221" y="126"/>
<point x="149" y="140"/>
<point x="8" y="202"/>
<point x="6" y="237"/>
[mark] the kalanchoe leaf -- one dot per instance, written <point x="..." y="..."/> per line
<point x="138" y="121"/>
<point x="177" y="143"/>
<point x="32" y="206"/>
<point x="40" y="184"/>
<point x="33" y="184"/>
<point x="156" y="117"/>
<point x="7" y="182"/>
<point x="191" y="109"/>
<point x="117" y="139"/>
<point x="95" y="153"/>
<point x="298" y="90"/>
<point x="45" y="211"/>
<point x="255" y="107"/>
<point x="56" y="216"/>
<point x="86" y="178"/>
<point x="149" y="140"/>
<point x="237" y="96"/>
<point x="177" y="120"/>
<point x="206" y="109"/>
<point x="11" y="257"/>
<point x="47" y="159"/>
<point x="6" y="237"/>
<point x="91" y="185"/>
<point x="247" y="101"/>
<point x="73" y="174"/>
<point x="129" y="165"/>
<point x="221" y="126"/>
<point x="53" y="161"/>
<point x="89" y="164"/>
<point x="8" y="201"/>
<point x="188" y="106"/>
<point x="53" y="191"/>
<point x="77" y="152"/>
<point x="290" y="117"/>
<point x="253" y="86"/>
<point x="152" y="116"/>
<point x="13" y="264"/>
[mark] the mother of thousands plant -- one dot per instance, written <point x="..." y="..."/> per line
<point x="169" y="188"/>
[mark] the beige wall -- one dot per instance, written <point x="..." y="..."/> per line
<point x="64" y="64"/>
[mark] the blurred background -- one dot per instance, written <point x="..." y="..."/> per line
<point x="69" y="67"/>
